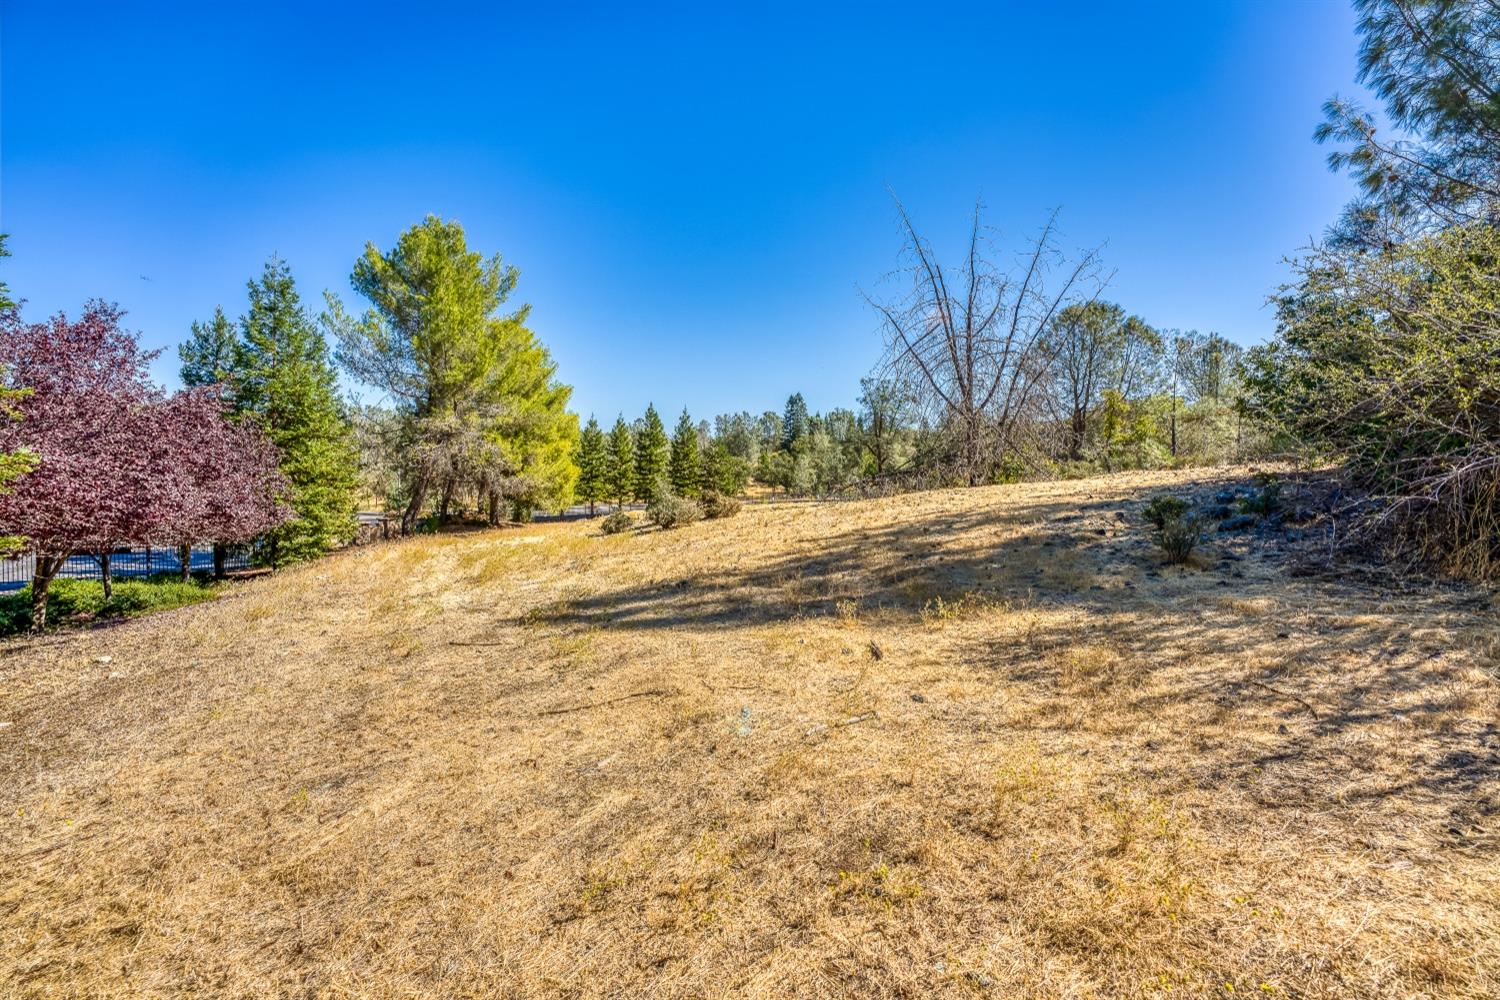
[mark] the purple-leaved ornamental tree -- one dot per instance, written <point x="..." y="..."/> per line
<point x="117" y="461"/>
<point x="87" y="419"/>
<point x="219" y="481"/>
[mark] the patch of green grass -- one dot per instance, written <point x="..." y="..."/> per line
<point x="75" y="601"/>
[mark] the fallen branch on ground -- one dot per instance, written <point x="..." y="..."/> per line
<point x="852" y="720"/>
<point x="653" y="693"/>
<point x="733" y="687"/>
<point x="1290" y="697"/>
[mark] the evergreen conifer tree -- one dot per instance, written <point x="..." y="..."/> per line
<point x="592" y="465"/>
<point x="685" y="467"/>
<point x="713" y="464"/>
<point x="723" y="471"/>
<point x="286" y="386"/>
<point x="620" y="474"/>
<point x="476" y="391"/>
<point x="794" y="424"/>
<point x="650" y="455"/>
<point x="208" y="356"/>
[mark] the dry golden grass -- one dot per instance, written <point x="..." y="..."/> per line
<point x="973" y="743"/>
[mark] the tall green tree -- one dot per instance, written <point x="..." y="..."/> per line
<point x="650" y="455"/>
<point x="1435" y="65"/>
<point x="1094" y="346"/>
<point x="886" y="406"/>
<point x="285" y="384"/>
<point x="723" y="470"/>
<point x="486" y="415"/>
<point x="208" y="356"/>
<point x="1210" y="367"/>
<point x="620" y="466"/>
<point x="208" y="359"/>
<point x="685" y="465"/>
<point x="794" y="423"/>
<point x="593" y="463"/>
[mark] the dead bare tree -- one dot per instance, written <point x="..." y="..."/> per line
<point x="973" y="340"/>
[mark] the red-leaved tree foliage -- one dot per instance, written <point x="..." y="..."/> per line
<point x="219" y="479"/>
<point x="117" y="461"/>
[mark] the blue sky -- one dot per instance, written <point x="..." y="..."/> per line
<point x="695" y="197"/>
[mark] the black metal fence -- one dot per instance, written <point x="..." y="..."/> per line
<point x="135" y="561"/>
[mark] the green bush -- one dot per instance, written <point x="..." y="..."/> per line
<point x="1388" y="361"/>
<point x="83" y="600"/>
<point x="717" y="505"/>
<point x="1179" y="536"/>
<point x="616" y="523"/>
<point x="670" y="511"/>
<point x="1164" y="508"/>
<point x="1265" y="500"/>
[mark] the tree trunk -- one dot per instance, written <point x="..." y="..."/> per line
<point x="971" y="452"/>
<point x="41" y="582"/>
<point x="414" y="507"/>
<point x="494" y="509"/>
<point x="221" y="554"/>
<point x="1174" y="425"/>
<point x="1079" y="429"/>
<point x="185" y="561"/>
<point x="106" y="575"/>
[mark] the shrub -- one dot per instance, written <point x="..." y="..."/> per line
<point x="716" y="504"/>
<point x="1387" y="360"/>
<point x="1163" y="508"/>
<point x="1265" y="500"/>
<point x="1179" y="536"/>
<point x="521" y="509"/>
<point x="615" y="523"/>
<point x="670" y="511"/>
<point x="83" y="600"/>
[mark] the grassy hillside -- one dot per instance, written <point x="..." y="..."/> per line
<point x="956" y="744"/>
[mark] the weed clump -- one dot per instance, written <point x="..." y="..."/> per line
<point x="1163" y="508"/>
<point x="1266" y="499"/>
<point x="1178" y="537"/>
<point x="616" y="523"/>
<point x="671" y="511"/>
<point x="717" y="505"/>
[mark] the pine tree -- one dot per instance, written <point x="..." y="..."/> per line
<point x="476" y="391"/>
<point x="650" y="455"/>
<point x="208" y="357"/>
<point x="286" y="386"/>
<point x="723" y="471"/>
<point x="794" y="423"/>
<point x="620" y="467"/>
<point x="592" y="465"/>
<point x="685" y="467"/>
<point x="712" y="470"/>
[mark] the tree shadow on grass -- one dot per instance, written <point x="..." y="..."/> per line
<point x="1004" y="553"/>
<point x="1331" y="665"/>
